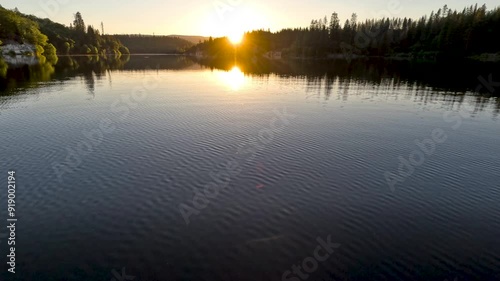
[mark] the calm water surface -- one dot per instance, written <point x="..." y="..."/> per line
<point x="105" y="155"/>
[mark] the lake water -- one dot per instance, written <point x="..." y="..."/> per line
<point x="397" y="164"/>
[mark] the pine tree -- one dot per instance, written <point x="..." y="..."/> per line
<point x="78" y="23"/>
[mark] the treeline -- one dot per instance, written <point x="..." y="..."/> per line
<point x="473" y="31"/>
<point x="149" y="44"/>
<point x="50" y="37"/>
<point x="15" y="27"/>
<point x="78" y="38"/>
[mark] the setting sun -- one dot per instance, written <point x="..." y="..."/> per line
<point x="297" y="138"/>
<point x="236" y="37"/>
<point x="234" y="22"/>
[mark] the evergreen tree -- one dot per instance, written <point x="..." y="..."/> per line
<point x="78" y="23"/>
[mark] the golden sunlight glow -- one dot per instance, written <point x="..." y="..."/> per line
<point x="234" y="22"/>
<point x="236" y="38"/>
<point x="234" y="78"/>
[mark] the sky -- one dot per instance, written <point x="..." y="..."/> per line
<point x="222" y="17"/>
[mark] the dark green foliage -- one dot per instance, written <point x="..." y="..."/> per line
<point x="147" y="44"/>
<point x="76" y="39"/>
<point x="124" y="50"/>
<point x="49" y="50"/>
<point x="3" y="68"/>
<point x="444" y="33"/>
<point x="78" y="23"/>
<point x="15" y="27"/>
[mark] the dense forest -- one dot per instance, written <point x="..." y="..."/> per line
<point x="150" y="44"/>
<point x="445" y="33"/>
<point x="79" y="38"/>
<point x="190" y="38"/>
<point x="18" y="28"/>
<point x="50" y="37"/>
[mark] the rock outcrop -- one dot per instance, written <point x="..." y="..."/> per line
<point x="19" y="54"/>
<point x="18" y="49"/>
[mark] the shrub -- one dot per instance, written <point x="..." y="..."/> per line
<point x="124" y="50"/>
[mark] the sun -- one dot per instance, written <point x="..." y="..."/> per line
<point x="235" y="37"/>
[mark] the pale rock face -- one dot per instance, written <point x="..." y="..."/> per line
<point x="21" y="60"/>
<point x="20" y="50"/>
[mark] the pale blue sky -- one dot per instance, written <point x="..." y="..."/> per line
<point x="221" y="17"/>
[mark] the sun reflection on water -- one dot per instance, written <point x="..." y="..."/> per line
<point x="234" y="78"/>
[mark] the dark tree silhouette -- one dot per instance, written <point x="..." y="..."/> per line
<point x="444" y="33"/>
<point x="78" y="23"/>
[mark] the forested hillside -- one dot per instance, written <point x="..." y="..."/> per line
<point x="15" y="27"/>
<point x="50" y="37"/>
<point x="149" y="44"/>
<point x="448" y="33"/>
<point x="192" y="39"/>
<point x="79" y="38"/>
